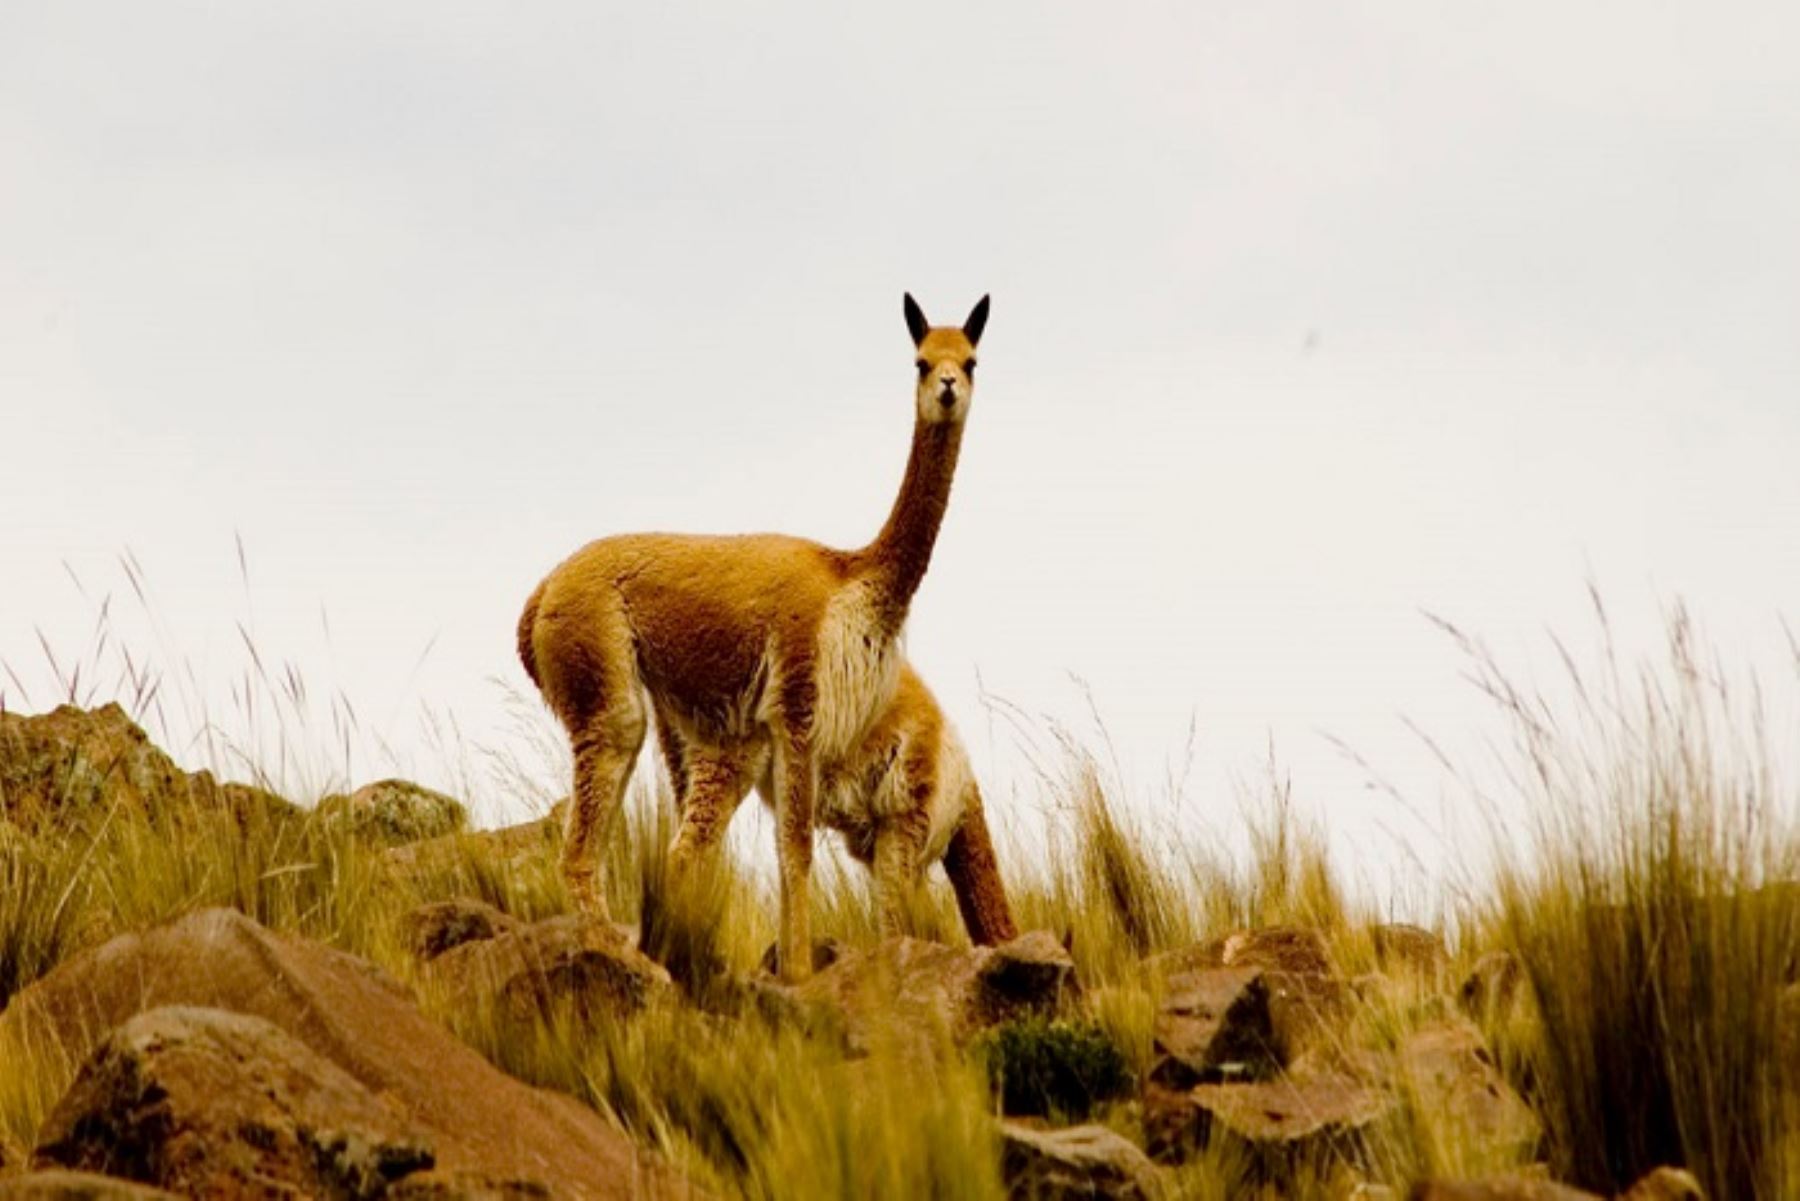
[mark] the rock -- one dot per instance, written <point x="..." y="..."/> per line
<point x="1295" y="949"/>
<point x="1277" y="1126"/>
<point x="1491" y="986"/>
<point x="1306" y="1010"/>
<point x="1412" y="949"/>
<point x="432" y="929"/>
<point x="1458" y="1089"/>
<point x="1665" y="1184"/>
<point x="527" y="846"/>
<point x="59" y="1185"/>
<point x="205" y="1102"/>
<point x="916" y="990"/>
<point x="464" y="1186"/>
<point x="573" y="964"/>
<point x="1214" y="1024"/>
<point x="1197" y="957"/>
<point x="394" y="812"/>
<point x="478" y="1119"/>
<point x="1074" y="1164"/>
<point x="72" y="765"/>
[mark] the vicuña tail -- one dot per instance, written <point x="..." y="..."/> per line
<point x="527" y="624"/>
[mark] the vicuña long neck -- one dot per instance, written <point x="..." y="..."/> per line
<point x="897" y="559"/>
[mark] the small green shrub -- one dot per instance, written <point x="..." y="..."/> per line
<point x="1054" y="1069"/>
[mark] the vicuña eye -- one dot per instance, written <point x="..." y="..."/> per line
<point x="924" y="368"/>
<point x="968" y="366"/>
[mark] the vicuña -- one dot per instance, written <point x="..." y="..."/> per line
<point x="738" y="639"/>
<point x="904" y="799"/>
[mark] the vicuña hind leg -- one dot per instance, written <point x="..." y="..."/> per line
<point x="714" y="782"/>
<point x="606" y="745"/>
<point x="899" y="845"/>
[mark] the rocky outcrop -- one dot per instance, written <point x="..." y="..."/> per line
<point x="73" y="765"/>
<point x="479" y="1120"/>
<point x="1076" y="1163"/>
<point x="393" y="813"/>
<point x="209" y="1103"/>
<point x="572" y="966"/>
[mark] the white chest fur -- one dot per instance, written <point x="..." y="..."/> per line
<point x="856" y="669"/>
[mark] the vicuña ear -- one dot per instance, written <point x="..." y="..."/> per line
<point x="915" y="320"/>
<point x="977" y="321"/>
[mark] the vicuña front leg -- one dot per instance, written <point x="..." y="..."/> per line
<point x="796" y="781"/>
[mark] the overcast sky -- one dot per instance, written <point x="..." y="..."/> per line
<point x="1305" y="319"/>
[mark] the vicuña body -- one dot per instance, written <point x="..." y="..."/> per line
<point x="745" y="638"/>
<point x="904" y="798"/>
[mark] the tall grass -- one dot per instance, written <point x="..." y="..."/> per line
<point x="1653" y="911"/>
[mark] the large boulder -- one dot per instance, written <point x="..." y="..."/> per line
<point x="210" y="1103"/>
<point x="394" y="812"/>
<point x="480" y="1120"/>
<point x="1075" y="1163"/>
<point x="573" y="964"/>
<point x="917" y="991"/>
<point x="72" y="765"/>
<point x="61" y="1185"/>
<point x="1214" y="1024"/>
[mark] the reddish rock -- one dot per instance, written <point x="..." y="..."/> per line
<point x="1075" y="1163"/>
<point x="209" y="1103"/>
<point x="479" y="1119"/>
<point x="1298" y="950"/>
<point x="432" y="929"/>
<point x="1214" y="1024"/>
<point x="1276" y="1125"/>
<point x="58" y="1185"/>
<point x="1455" y="1084"/>
<point x="570" y="965"/>
<point x="916" y="990"/>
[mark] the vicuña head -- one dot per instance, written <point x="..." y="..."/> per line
<point x="746" y="638"/>
<point x="946" y="361"/>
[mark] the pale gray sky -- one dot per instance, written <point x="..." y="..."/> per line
<point x="1305" y="319"/>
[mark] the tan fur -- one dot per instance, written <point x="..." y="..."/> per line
<point x="902" y="798"/>
<point x="742" y="639"/>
